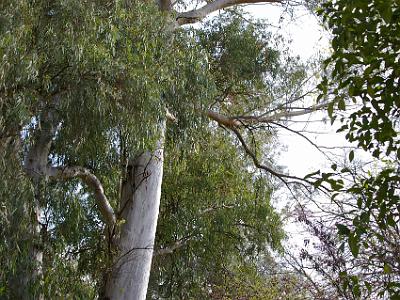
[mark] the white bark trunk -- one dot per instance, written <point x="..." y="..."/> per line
<point x="35" y="164"/>
<point x="140" y="201"/>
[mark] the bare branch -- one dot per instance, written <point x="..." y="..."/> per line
<point x="165" y="5"/>
<point x="214" y="208"/>
<point x="168" y="250"/>
<point x="197" y="15"/>
<point x="283" y="114"/>
<point x="256" y="162"/>
<point x="303" y="136"/>
<point x="170" y="116"/>
<point x="222" y="120"/>
<point x="65" y="173"/>
<point x="237" y="121"/>
<point x="233" y="123"/>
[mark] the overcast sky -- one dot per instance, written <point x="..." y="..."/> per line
<point x="309" y="41"/>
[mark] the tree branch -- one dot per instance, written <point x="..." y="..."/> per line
<point x="303" y="136"/>
<point x="165" y="5"/>
<point x="197" y="15"/>
<point x="36" y="161"/>
<point x="214" y="208"/>
<point x="233" y="123"/>
<point x="237" y="121"/>
<point x="256" y="162"/>
<point x="65" y="173"/>
<point x="168" y="250"/>
<point x="170" y="116"/>
<point x="223" y="120"/>
<point x="283" y="114"/>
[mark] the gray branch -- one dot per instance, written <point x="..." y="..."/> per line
<point x="169" y="250"/>
<point x="36" y="161"/>
<point x="197" y="15"/>
<point x="65" y="173"/>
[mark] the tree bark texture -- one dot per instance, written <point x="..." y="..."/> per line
<point x="139" y="207"/>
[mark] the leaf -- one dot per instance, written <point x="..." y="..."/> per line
<point x="386" y="10"/>
<point x="345" y="170"/>
<point x="330" y="109"/>
<point x="387" y="269"/>
<point x="359" y="202"/>
<point x="390" y="220"/>
<point x="334" y="196"/>
<point x="368" y="286"/>
<point x="353" y="244"/>
<point x="312" y="174"/>
<point x="342" y="229"/>
<point x="342" y="104"/>
<point x="341" y="247"/>
<point x="376" y="153"/>
<point x="351" y="156"/>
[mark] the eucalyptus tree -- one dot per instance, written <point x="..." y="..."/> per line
<point x="86" y="91"/>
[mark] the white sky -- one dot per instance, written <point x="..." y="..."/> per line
<point x="309" y="40"/>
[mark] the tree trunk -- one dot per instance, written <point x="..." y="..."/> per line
<point x="35" y="165"/>
<point x="25" y="283"/>
<point x="139" y="206"/>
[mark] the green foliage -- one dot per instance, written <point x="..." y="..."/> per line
<point x="364" y="61"/>
<point x="364" y="64"/>
<point x="75" y="249"/>
<point x="15" y="238"/>
<point x="250" y="69"/>
<point x="116" y="66"/>
<point x="218" y="210"/>
<point x="239" y="53"/>
<point x="109" y="63"/>
<point x="247" y="283"/>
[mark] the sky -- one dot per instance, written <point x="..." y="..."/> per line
<point x="298" y="156"/>
<point x="309" y="41"/>
<point x="308" y="37"/>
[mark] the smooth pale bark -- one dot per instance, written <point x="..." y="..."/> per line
<point x="196" y="15"/>
<point x="103" y="205"/>
<point x="35" y="165"/>
<point x="140" y="196"/>
<point x="140" y="201"/>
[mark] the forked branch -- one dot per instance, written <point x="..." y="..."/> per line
<point x="283" y="177"/>
<point x="237" y="121"/>
<point x="234" y="123"/>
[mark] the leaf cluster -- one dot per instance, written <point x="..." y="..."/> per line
<point x="364" y="65"/>
<point x="218" y="209"/>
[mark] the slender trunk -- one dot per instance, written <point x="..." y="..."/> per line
<point x="140" y="201"/>
<point x="25" y="281"/>
<point x="35" y="165"/>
